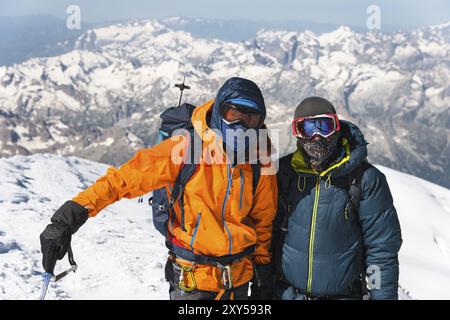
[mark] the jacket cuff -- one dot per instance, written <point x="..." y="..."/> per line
<point x="72" y="215"/>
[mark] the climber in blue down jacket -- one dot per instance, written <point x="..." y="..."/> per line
<point x="336" y="224"/>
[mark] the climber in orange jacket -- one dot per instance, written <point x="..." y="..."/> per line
<point x="221" y="230"/>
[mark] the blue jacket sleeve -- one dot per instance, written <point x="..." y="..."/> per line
<point x="381" y="235"/>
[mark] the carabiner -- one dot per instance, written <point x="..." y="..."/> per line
<point x="190" y="277"/>
<point x="227" y="280"/>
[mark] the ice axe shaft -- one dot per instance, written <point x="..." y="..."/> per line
<point x="65" y="273"/>
<point x="48" y="276"/>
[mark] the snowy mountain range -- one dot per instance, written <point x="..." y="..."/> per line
<point x="29" y="36"/>
<point x="241" y="30"/>
<point x="121" y="256"/>
<point x="101" y="100"/>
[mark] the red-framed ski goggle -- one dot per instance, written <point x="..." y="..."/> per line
<point x="324" y="125"/>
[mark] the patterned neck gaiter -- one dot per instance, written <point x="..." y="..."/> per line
<point x="319" y="152"/>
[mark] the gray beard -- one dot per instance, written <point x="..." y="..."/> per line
<point x="321" y="153"/>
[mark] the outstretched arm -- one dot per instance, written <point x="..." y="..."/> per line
<point x="148" y="170"/>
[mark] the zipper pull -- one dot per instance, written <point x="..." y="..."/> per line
<point x="256" y="274"/>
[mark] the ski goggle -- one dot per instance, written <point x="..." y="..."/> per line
<point x="307" y="127"/>
<point x="236" y="113"/>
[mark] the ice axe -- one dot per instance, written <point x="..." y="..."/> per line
<point x="49" y="276"/>
<point x="182" y="87"/>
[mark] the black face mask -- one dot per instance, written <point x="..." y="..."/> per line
<point x="319" y="152"/>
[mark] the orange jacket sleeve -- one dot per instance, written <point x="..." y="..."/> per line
<point x="262" y="215"/>
<point x="148" y="170"/>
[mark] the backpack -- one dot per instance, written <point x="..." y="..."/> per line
<point x="172" y="119"/>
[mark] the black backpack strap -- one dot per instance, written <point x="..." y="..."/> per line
<point x="256" y="168"/>
<point x="285" y="208"/>
<point x="187" y="170"/>
<point x="354" y="186"/>
<point x="284" y="184"/>
<point x="355" y="192"/>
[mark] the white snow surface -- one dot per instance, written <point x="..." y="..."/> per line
<point x="121" y="256"/>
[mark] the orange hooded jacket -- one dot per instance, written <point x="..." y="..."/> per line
<point x="247" y="215"/>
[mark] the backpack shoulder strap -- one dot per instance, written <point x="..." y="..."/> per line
<point x="187" y="170"/>
<point x="285" y="177"/>
<point x="256" y="168"/>
<point x="355" y="188"/>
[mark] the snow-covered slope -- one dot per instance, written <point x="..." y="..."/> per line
<point x="118" y="78"/>
<point x="424" y="212"/>
<point x="120" y="255"/>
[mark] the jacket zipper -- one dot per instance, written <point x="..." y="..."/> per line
<point x="199" y="216"/>
<point x="230" y="180"/>
<point x="312" y="235"/>
<point x="242" y="189"/>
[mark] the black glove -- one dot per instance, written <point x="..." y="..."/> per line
<point x="262" y="282"/>
<point x="55" y="239"/>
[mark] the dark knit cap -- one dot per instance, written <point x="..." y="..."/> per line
<point x="314" y="106"/>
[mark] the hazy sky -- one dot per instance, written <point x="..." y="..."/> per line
<point x="351" y="12"/>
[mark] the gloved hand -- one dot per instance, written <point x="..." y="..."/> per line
<point x="262" y="282"/>
<point x="55" y="239"/>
